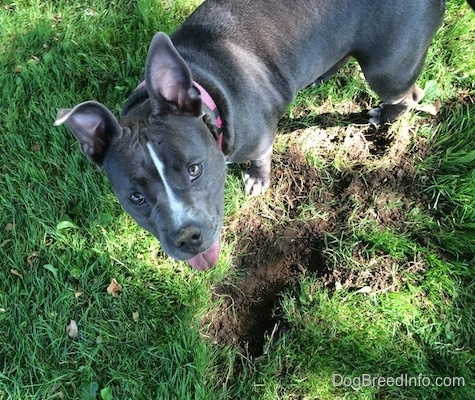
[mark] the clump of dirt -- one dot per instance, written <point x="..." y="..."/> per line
<point x="382" y="273"/>
<point x="282" y="242"/>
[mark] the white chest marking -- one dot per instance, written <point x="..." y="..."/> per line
<point x="177" y="207"/>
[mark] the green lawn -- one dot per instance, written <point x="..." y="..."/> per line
<point x="364" y="244"/>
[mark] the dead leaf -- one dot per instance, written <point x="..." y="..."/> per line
<point x="31" y="258"/>
<point x="72" y="329"/>
<point x="34" y="60"/>
<point x="9" y="227"/>
<point x="77" y="295"/>
<point x="135" y="316"/>
<point x="16" y="273"/>
<point x="5" y="242"/>
<point x="114" y="288"/>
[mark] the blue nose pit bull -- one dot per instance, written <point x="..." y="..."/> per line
<point x="234" y="66"/>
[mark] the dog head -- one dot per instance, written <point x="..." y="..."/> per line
<point x="162" y="158"/>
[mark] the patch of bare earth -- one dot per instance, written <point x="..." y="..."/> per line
<point x="372" y="177"/>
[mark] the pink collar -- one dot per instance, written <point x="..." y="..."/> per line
<point x="208" y="100"/>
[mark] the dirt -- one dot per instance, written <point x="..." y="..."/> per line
<point x="272" y="261"/>
<point x="371" y="178"/>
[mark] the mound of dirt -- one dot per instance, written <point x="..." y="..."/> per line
<point x="281" y="243"/>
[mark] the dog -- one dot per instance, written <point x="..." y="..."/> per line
<point x="215" y="90"/>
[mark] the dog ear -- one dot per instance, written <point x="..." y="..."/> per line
<point x="168" y="78"/>
<point x="93" y="125"/>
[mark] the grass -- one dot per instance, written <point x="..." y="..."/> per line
<point x="401" y="299"/>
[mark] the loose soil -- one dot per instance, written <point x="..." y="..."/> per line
<point x="370" y="176"/>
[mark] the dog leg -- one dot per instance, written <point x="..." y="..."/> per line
<point x="388" y="112"/>
<point x="392" y="64"/>
<point x="257" y="177"/>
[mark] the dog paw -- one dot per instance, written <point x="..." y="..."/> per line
<point x="386" y="113"/>
<point x="375" y="116"/>
<point x="389" y="112"/>
<point x="255" y="185"/>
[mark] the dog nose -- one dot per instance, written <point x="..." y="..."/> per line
<point x="188" y="238"/>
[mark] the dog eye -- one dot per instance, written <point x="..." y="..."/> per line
<point x="137" y="198"/>
<point x="195" y="171"/>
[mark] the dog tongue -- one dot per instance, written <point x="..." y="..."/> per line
<point x="208" y="259"/>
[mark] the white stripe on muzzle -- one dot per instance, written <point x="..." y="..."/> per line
<point x="178" y="209"/>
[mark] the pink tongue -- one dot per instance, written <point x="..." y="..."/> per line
<point x="208" y="259"/>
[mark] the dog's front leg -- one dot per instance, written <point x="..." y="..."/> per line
<point x="257" y="177"/>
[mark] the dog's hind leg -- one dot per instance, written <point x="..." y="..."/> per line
<point x="389" y="111"/>
<point x="393" y="80"/>
<point x="392" y="65"/>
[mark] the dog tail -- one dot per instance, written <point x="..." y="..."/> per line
<point x="472" y="3"/>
